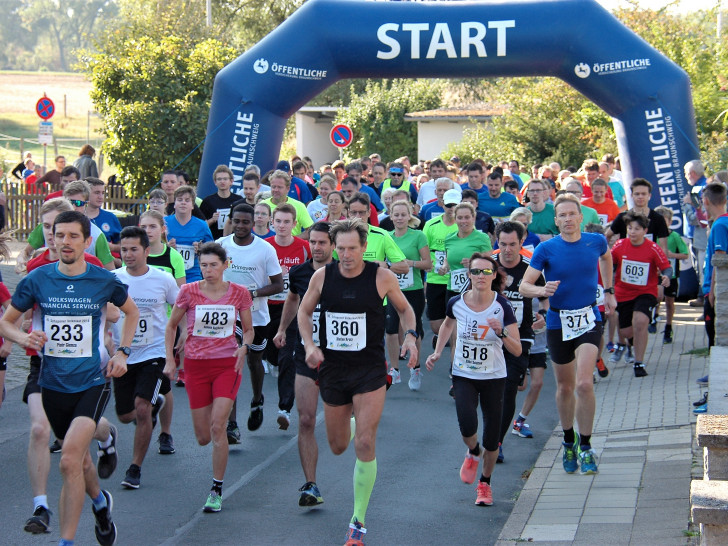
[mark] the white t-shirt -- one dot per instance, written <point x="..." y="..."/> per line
<point x="151" y="292"/>
<point x="317" y="210"/>
<point x="427" y="192"/>
<point x="252" y="266"/>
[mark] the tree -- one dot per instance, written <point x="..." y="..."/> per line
<point x="155" y="99"/>
<point x="377" y="116"/>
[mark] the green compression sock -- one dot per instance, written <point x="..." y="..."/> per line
<point x="365" y="474"/>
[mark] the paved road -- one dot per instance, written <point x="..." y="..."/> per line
<point x="418" y="497"/>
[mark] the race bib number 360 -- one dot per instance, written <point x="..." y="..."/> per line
<point x="346" y="331"/>
<point x="214" y="321"/>
<point x="576" y="322"/>
<point x="68" y="337"/>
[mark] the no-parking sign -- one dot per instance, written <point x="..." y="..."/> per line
<point x="45" y="108"/>
<point x="341" y="135"/>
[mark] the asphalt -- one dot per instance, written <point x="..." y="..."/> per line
<point x="643" y="436"/>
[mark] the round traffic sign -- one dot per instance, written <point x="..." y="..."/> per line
<point x="45" y="108"/>
<point x="341" y="135"/>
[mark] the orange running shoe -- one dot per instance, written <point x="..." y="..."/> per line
<point x="602" y="368"/>
<point x="484" y="495"/>
<point x="469" y="469"/>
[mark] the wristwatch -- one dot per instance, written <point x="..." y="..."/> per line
<point x="609" y="290"/>
<point x="254" y="293"/>
<point x="125" y="350"/>
<point x="503" y="334"/>
<point x="413" y="332"/>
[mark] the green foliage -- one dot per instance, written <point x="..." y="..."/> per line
<point x="547" y="121"/>
<point x="155" y="99"/>
<point x="376" y="117"/>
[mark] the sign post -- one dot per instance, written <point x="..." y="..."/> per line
<point x="45" y="108"/>
<point x="341" y="136"/>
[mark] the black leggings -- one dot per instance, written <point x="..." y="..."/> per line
<point x="516" y="367"/>
<point x="490" y="391"/>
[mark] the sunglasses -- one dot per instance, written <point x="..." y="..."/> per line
<point x="395" y="174"/>
<point x="78" y="202"/>
<point x="450" y="205"/>
<point x="475" y="272"/>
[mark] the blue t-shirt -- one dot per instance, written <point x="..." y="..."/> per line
<point x="270" y="233"/>
<point x="195" y="230"/>
<point x="299" y="191"/>
<point x="79" y="303"/>
<point x="482" y="192"/>
<point x="373" y="197"/>
<point x="430" y="211"/>
<point x="576" y="266"/>
<point x="109" y="224"/>
<point x="501" y="207"/>
<point x="717" y="240"/>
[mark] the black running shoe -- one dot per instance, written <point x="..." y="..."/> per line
<point x="105" y="527"/>
<point x="55" y="447"/>
<point x="256" y="414"/>
<point x="133" y="477"/>
<point x="39" y="522"/>
<point x="233" y="432"/>
<point x="703" y="400"/>
<point x="108" y="458"/>
<point x="639" y="370"/>
<point x="166" y="444"/>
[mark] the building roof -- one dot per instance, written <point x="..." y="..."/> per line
<point x="479" y="112"/>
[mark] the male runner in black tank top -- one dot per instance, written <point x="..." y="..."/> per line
<point x="351" y="362"/>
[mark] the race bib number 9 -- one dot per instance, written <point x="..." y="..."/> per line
<point x="458" y="279"/>
<point x="406" y="280"/>
<point x="577" y="322"/>
<point x="346" y="331"/>
<point x="635" y="272"/>
<point x="214" y="321"/>
<point x="188" y="255"/>
<point x="68" y="337"/>
<point x="256" y="301"/>
<point x="474" y="355"/>
<point x="143" y="335"/>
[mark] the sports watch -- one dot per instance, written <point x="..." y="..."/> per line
<point x="125" y="350"/>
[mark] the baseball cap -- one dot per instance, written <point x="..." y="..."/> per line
<point x="283" y="166"/>
<point x="452" y="197"/>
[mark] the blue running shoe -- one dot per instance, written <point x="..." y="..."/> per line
<point x="570" y="457"/>
<point x="617" y="354"/>
<point x="588" y="461"/>
<point x="702" y="381"/>
<point x="701" y="409"/>
<point x="610" y="347"/>
<point x="521" y="428"/>
<point x="500" y="458"/>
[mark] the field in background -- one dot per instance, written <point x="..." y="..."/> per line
<point x="19" y="91"/>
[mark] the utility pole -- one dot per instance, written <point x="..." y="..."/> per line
<point x="208" y="9"/>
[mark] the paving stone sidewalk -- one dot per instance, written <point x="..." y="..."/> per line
<point x="643" y="436"/>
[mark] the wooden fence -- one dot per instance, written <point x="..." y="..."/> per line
<point x="22" y="211"/>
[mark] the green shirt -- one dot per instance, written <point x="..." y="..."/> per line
<point x="590" y="217"/>
<point x="101" y="246"/>
<point x="457" y="249"/>
<point x="543" y="222"/>
<point x="436" y="231"/>
<point x="410" y="244"/>
<point x="381" y="247"/>
<point x="303" y="218"/>
<point x="676" y="244"/>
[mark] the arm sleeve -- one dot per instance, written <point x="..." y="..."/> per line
<point x="183" y="297"/>
<point x="172" y="290"/>
<point x="178" y="264"/>
<point x="102" y="251"/>
<point x="391" y="251"/>
<point x="23" y="298"/>
<point x="35" y="239"/>
<point x="450" y="304"/>
<point x="304" y="218"/>
<point x="538" y="260"/>
<point x="119" y="293"/>
<point x="509" y="316"/>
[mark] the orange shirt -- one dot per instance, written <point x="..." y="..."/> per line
<point x="607" y="211"/>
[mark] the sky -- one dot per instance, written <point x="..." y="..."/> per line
<point x="686" y="5"/>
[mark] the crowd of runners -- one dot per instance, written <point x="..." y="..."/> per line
<point x="323" y="280"/>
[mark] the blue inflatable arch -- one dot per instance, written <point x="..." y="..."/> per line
<point x="578" y="41"/>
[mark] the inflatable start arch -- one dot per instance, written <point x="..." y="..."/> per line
<point x="578" y="41"/>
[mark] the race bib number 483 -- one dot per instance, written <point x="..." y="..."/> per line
<point x="68" y="336"/>
<point x="214" y="321"/>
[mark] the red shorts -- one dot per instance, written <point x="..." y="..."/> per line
<point x="210" y="378"/>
